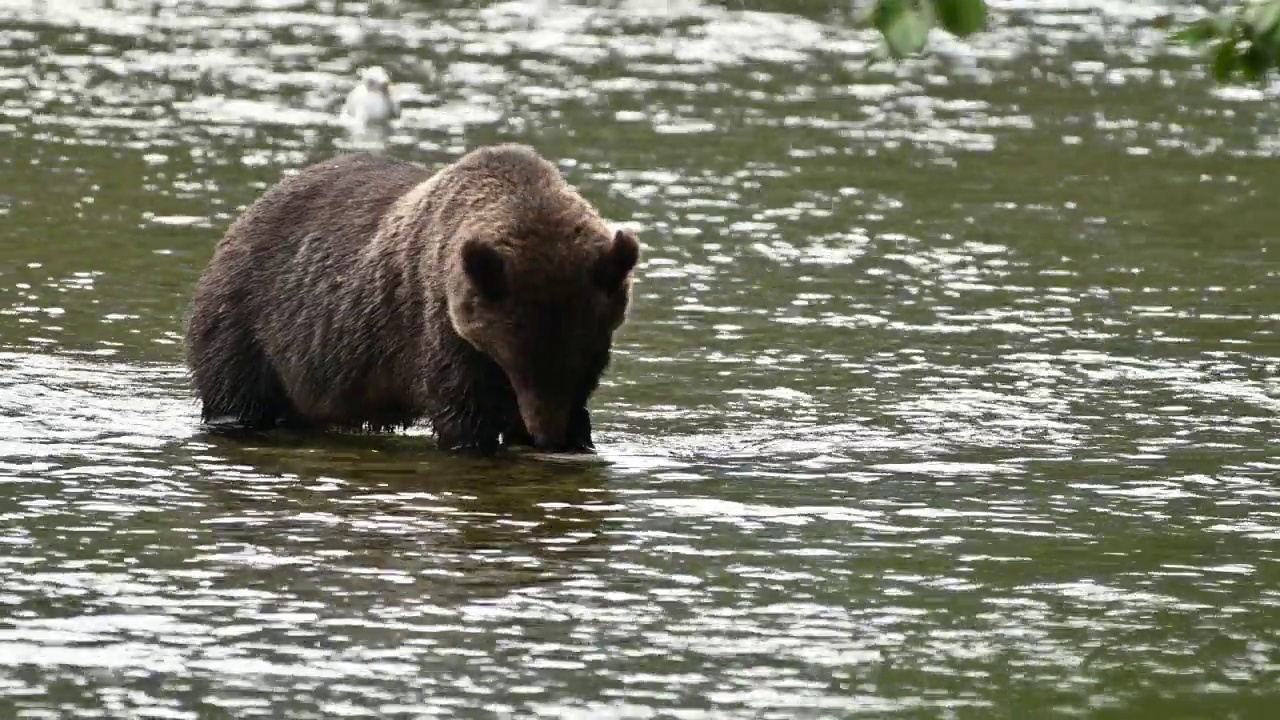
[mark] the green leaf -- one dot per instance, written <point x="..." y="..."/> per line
<point x="1260" y="57"/>
<point x="1255" y="64"/>
<point x="1225" y="25"/>
<point x="879" y="54"/>
<point x="1264" y="16"/>
<point x="908" y="33"/>
<point x="1197" y="33"/>
<point x="886" y="12"/>
<point x="1252" y="64"/>
<point x="961" y="17"/>
<point x="1224" y="60"/>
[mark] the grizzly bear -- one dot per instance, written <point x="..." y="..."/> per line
<point x="366" y="293"/>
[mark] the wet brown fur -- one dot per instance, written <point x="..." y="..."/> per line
<point x="367" y="293"/>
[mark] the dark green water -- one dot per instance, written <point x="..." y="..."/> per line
<point x="951" y="389"/>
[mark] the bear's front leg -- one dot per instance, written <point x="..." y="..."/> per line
<point x="459" y="443"/>
<point x="580" y="431"/>
<point x="467" y="437"/>
<point x="516" y="434"/>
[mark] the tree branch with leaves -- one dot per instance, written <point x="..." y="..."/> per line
<point x="1242" y="42"/>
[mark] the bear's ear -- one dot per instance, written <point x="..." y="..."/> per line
<point x="618" y="260"/>
<point x="485" y="268"/>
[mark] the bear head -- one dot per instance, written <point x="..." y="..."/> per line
<point x="543" y="299"/>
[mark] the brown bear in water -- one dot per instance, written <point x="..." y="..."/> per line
<point x="367" y="293"/>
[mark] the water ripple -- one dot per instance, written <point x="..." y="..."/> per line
<point x="948" y="392"/>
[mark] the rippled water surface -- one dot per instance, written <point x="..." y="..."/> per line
<point x="951" y="388"/>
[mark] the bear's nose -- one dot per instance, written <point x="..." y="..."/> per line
<point x="546" y="419"/>
<point x="545" y="442"/>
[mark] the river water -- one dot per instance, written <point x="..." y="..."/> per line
<point x="950" y="389"/>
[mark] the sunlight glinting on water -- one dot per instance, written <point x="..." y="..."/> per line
<point x="949" y="390"/>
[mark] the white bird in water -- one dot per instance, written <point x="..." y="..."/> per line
<point x="371" y="100"/>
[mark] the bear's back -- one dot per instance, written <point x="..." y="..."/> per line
<point x="342" y="198"/>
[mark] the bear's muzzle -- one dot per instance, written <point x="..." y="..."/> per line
<point x="546" y="418"/>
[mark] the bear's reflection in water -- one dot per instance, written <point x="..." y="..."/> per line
<point x="454" y="526"/>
